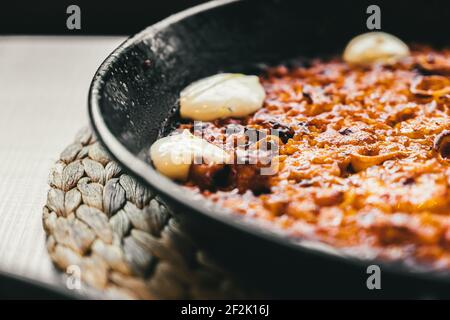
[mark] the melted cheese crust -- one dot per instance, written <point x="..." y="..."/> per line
<point x="357" y="166"/>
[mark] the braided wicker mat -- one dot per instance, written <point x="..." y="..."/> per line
<point x="124" y="241"/>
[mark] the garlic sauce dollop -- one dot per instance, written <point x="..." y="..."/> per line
<point x="375" y="47"/>
<point x="173" y="155"/>
<point x="223" y="95"/>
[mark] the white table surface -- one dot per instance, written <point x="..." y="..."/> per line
<point x="43" y="93"/>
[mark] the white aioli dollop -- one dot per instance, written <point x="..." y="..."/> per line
<point x="221" y="96"/>
<point x="173" y="155"/>
<point x="375" y="47"/>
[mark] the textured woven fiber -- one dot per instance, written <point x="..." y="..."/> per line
<point x="124" y="241"/>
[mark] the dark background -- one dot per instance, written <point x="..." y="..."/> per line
<point x="110" y="17"/>
<point x="126" y="17"/>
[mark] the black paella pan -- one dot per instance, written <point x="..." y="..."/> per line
<point x="134" y="96"/>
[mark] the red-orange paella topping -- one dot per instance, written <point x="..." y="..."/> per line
<point x="363" y="161"/>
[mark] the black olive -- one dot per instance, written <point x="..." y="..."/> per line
<point x="221" y="178"/>
<point x="408" y="181"/>
<point x="308" y="97"/>
<point x="345" y="131"/>
<point x="284" y="132"/>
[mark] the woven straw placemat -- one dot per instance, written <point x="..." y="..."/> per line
<point x="124" y="241"/>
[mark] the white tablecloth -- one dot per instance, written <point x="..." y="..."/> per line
<point x="43" y="93"/>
